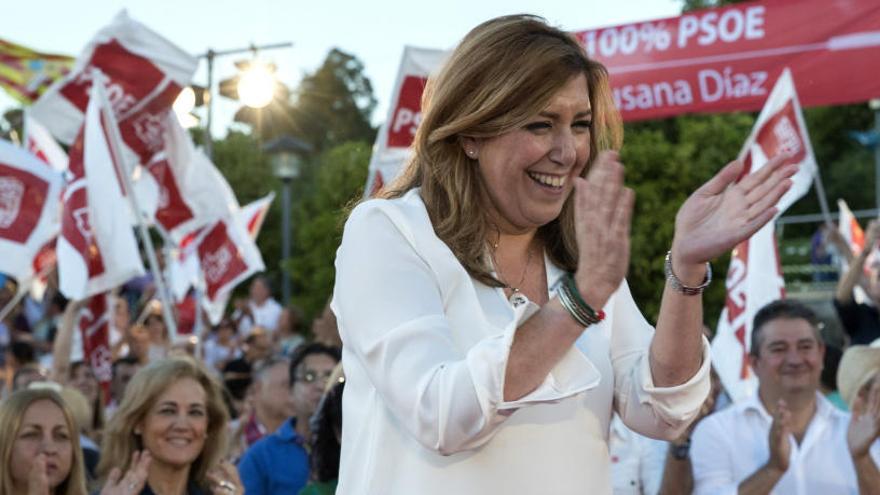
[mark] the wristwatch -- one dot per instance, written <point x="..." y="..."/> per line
<point x="681" y="451"/>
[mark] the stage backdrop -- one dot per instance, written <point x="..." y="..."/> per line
<point x="724" y="59"/>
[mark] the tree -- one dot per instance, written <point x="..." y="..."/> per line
<point x="337" y="180"/>
<point x="334" y="104"/>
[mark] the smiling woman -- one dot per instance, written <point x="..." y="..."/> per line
<point x="170" y="436"/>
<point x="39" y="446"/>
<point x="488" y="330"/>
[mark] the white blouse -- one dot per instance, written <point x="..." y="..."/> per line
<point x="425" y="350"/>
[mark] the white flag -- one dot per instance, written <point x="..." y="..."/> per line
<point x="754" y="278"/>
<point x="144" y="73"/>
<point x="29" y="209"/>
<point x="97" y="250"/>
<point x="40" y="142"/>
<point x="392" y="148"/>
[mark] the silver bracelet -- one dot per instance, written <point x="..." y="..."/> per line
<point x="679" y="287"/>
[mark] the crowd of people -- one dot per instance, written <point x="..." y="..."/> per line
<point x="250" y="405"/>
<point x="491" y="343"/>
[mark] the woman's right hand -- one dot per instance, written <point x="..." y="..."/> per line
<point x="133" y="481"/>
<point x="603" y="211"/>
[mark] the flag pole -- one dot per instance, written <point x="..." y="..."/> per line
<point x="22" y="290"/>
<point x="116" y="150"/>
<point x="823" y="199"/>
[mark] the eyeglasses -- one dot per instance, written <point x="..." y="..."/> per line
<point x="310" y="376"/>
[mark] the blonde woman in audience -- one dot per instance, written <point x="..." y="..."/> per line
<point x="170" y="436"/>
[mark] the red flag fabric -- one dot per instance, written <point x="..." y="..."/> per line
<point x="97" y="250"/>
<point x="754" y="278"/>
<point x="94" y="326"/>
<point x="29" y="209"/>
<point x="143" y="73"/>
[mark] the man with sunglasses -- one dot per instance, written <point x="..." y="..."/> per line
<point x="279" y="463"/>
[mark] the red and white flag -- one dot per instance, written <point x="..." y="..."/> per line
<point x="392" y="148"/>
<point x="144" y="73"/>
<point x="251" y="217"/>
<point x="852" y="232"/>
<point x="94" y="327"/>
<point x="97" y="250"/>
<point x="754" y="278"/>
<point x="29" y="209"/>
<point x="40" y="142"/>
<point x="181" y="190"/>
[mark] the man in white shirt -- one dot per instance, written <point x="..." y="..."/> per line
<point x="788" y="438"/>
<point x="261" y="310"/>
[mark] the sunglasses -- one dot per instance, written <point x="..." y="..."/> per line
<point x="310" y="376"/>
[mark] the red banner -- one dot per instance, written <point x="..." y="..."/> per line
<point x="726" y="59"/>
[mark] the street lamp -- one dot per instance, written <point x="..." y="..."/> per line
<point x="286" y="154"/>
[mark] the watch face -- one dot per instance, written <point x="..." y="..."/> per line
<point x="681" y="451"/>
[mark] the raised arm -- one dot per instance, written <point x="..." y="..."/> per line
<point x="718" y="216"/>
<point x="63" y="342"/>
<point x="862" y="434"/>
<point x="855" y="273"/>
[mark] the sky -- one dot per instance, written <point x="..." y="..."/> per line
<point x="374" y="31"/>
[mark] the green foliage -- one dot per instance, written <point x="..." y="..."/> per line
<point x="666" y="161"/>
<point x="336" y="178"/>
<point x="334" y="104"/>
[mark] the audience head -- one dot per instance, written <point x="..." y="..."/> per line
<point x="326" y="427"/>
<point x="38" y="431"/>
<point x="786" y="348"/>
<point x="21" y="353"/>
<point x="225" y="330"/>
<point x="270" y="389"/>
<point x="156" y="328"/>
<point x="289" y="321"/>
<point x="325" y="329"/>
<point x="260" y="289"/>
<point x="177" y="414"/>
<point x="26" y="375"/>
<point x="123" y="370"/>
<point x="310" y="368"/>
<point x="859" y="369"/>
<point x="258" y="345"/>
<point x="83" y="379"/>
<point x="121" y="314"/>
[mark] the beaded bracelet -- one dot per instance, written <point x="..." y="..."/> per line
<point x="571" y="300"/>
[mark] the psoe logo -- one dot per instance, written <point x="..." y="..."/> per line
<point x="217" y="263"/>
<point x="11" y="194"/>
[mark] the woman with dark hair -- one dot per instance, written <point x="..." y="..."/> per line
<point x="489" y="332"/>
<point x="326" y="426"/>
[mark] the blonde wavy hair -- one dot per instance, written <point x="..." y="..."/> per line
<point x="12" y="412"/>
<point x="142" y="392"/>
<point x="503" y="72"/>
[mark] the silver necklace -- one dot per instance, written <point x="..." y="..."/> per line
<point x="522" y="279"/>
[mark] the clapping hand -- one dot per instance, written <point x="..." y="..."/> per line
<point x="603" y="210"/>
<point x="722" y="213"/>
<point x="780" y="431"/>
<point x="225" y="480"/>
<point x="864" y="424"/>
<point x="133" y="481"/>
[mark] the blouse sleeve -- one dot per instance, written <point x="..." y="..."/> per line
<point x="392" y="319"/>
<point x="656" y="412"/>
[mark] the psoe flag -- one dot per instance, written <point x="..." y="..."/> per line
<point x="392" y="148"/>
<point x="250" y="217"/>
<point x="852" y="233"/>
<point x="754" y="278"/>
<point x="227" y="255"/>
<point x="94" y="327"/>
<point x="97" y="250"/>
<point x="143" y="72"/>
<point x="29" y="208"/>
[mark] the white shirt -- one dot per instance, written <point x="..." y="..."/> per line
<point x="265" y="316"/>
<point x="425" y="353"/>
<point x="729" y="446"/>
<point x="637" y="461"/>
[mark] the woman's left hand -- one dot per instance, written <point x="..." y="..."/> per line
<point x="224" y="480"/>
<point x="721" y="213"/>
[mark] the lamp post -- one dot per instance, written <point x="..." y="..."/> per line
<point x="286" y="154"/>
